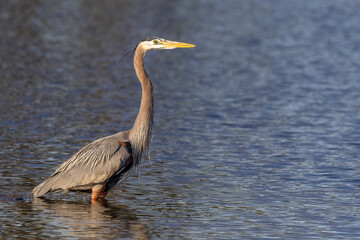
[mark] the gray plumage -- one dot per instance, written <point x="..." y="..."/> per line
<point x="102" y="164"/>
<point x="98" y="161"/>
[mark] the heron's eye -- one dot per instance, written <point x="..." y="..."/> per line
<point x="155" y="41"/>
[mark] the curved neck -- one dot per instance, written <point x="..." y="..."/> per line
<point x="140" y="133"/>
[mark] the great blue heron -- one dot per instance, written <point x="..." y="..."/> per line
<point x="100" y="165"/>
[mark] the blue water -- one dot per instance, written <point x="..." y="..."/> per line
<point x="256" y="132"/>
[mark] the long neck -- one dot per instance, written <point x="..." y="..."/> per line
<point x="140" y="133"/>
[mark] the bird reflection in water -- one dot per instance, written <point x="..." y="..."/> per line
<point x="86" y="220"/>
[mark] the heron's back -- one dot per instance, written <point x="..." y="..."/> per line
<point x="96" y="163"/>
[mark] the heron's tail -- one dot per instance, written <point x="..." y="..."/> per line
<point x="44" y="187"/>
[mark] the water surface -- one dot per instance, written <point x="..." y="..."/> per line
<point x="256" y="132"/>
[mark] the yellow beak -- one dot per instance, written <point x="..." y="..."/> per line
<point x="172" y="44"/>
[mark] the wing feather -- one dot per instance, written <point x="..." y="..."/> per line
<point x="93" y="164"/>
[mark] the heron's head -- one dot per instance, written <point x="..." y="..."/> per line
<point x="160" y="43"/>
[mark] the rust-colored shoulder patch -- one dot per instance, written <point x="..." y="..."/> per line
<point x="127" y="146"/>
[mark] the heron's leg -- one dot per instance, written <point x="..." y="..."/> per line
<point x="98" y="192"/>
